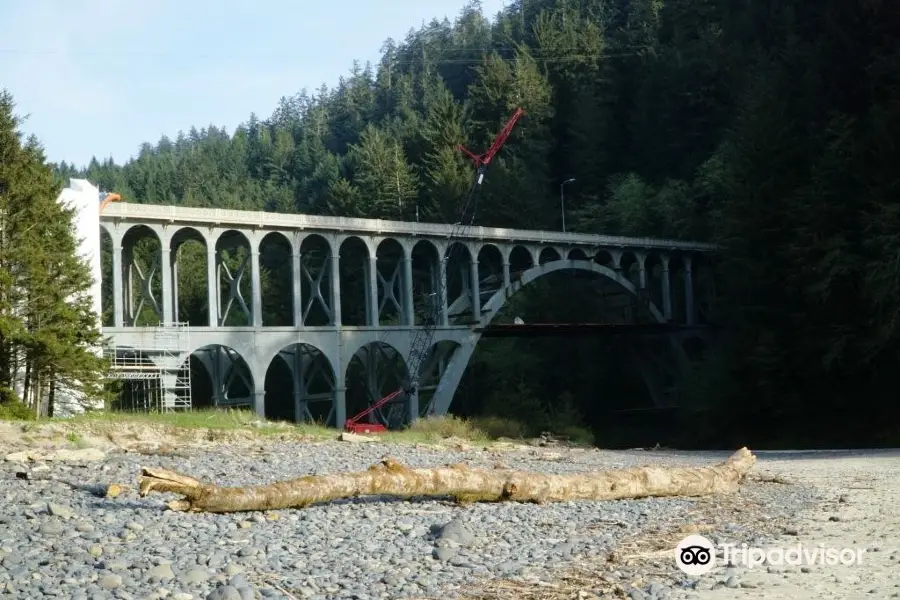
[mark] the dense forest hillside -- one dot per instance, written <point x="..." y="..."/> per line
<point x="768" y="127"/>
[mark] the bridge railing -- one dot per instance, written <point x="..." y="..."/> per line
<point x="280" y="221"/>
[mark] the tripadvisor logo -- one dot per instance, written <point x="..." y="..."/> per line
<point x="696" y="555"/>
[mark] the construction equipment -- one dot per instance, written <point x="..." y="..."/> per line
<point x="424" y="335"/>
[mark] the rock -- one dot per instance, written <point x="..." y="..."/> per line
<point x="444" y="554"/>
<point x="161" y="572"/>
<point x="52" y="528"/>
<point x="110" y="582"/>
<point x="58" y="510"/>
<point x="195" y="576"/>
<point x="454" y="531"/>
<point x="224" y="592"/>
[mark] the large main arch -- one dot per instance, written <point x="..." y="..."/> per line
<point x="453" y="372"/>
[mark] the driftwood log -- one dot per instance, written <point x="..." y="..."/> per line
<point x="464" y="483"/>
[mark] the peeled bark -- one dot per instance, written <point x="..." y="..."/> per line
<point x="466" y="484"/>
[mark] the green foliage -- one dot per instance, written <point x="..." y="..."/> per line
<point x="47" y="327"/>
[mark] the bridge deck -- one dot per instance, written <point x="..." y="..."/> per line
<point x="281" y="222"/>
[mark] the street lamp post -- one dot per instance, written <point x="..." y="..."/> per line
<point x="562" y="200"/>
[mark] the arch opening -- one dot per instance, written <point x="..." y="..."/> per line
<point x="376" y="370"/>
<point x="276" y="280"/>
<point x="141" y="273"/>
<point x="391" y="283"/>
<point x="622" y="372"/>
<point x="431" y="370"/>
<point x="233" y="272"/>
<point x="354" y="270"/>
<point x="316" y="281"/>
<point x="229" y="378"/>
<point x="426" y="281"/>
<point x="459" y="265"/>
<point x="300" y="386"/>
<point x="190" y="277"/>
<point x="548" y="255"/>
<point x="107" y="317"/>
<point x="490" y="273"/>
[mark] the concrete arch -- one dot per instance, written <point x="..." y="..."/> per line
<point x="520" y="258"/>
<point x="493" y="306"/>
<point x="374" y="370"/>
<point x="304" y="388"/>
<point x="456" y="366"/>
<point x="548" y="255"/>
<point x="272" y="236"/>
<point x="229" y="371"/>
<point x="425" y="243"/>
<point x="367" y="241"/>
<point x="186" y="234"/>
<point x="139" y="231"/>
<point x="233" y="238"/>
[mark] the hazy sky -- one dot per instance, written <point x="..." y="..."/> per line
<point x="99" y="77"/>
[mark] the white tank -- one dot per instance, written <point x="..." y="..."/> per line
<point x="84" y="198"/>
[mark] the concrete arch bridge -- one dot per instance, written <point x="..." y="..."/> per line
<point x="324" y="307"/>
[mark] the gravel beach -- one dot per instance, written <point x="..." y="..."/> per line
<point x="57" y="539"/>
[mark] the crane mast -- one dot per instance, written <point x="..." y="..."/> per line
<point x="423" y="335"/>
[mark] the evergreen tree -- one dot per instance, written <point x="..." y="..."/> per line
<point x="48" y="332"/>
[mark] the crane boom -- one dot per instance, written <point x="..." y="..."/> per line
<point x="424" y="335"/>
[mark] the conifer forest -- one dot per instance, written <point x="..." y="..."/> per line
<point x="769" y="128"/>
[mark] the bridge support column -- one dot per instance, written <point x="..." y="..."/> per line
<point x="259" y="403"/>
<point x="175" y="309"/>
<point x="445" y="310"/>
<point x="475" y="288"/>
<point x="168" y="296"/>
<point x="295" y="286"/>
<point x="408" y="305"/>
<point x="690" y="315"/>
<point x="666" y="289"/>
<point x="506" y="275"/>
<point x="642" y="270"/>
<point x="413" y="405"/>
<point x="336" y="290"/>
<point x="118" y="288"/>
<point x="256" y="285"/>
<point x="212" y="284"/>
<point x="372" y="290"/>
<point x="340" y="406"/>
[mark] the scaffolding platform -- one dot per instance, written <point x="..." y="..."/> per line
<point x="155" y="378"/>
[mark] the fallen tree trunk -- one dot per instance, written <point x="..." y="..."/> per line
<point x="466" y="484"/>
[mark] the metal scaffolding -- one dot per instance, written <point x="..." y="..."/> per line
<point x="155" y="378"/>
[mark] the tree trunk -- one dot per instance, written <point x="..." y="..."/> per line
<point x="51" y="396"/>
<point x="466" y="484"/>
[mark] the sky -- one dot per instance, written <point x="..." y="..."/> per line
<point x="100" y="77"/>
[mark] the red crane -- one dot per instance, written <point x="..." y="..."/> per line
<point x="423" y="335"/>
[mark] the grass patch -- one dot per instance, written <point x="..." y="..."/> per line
<point x="218" y="422"/>
<point x="221" y="419"/>
<point x="13" y="410"/>
<point x="435" y="429"/>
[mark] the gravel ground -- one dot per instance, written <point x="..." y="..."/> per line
<point x="60" y="541"/>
